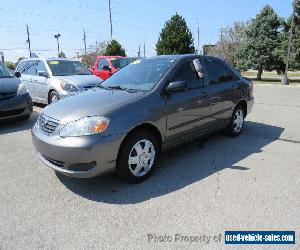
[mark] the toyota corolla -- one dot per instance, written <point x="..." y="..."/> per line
<point x="140" y="111"/>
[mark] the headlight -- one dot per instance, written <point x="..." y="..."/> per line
<point x="85" y="126"/>
<point x="22" y="89"/>
<point x="68" y="87"/>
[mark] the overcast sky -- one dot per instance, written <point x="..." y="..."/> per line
<point x="133" y="22"/>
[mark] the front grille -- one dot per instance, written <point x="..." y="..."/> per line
<point x="7" y="95"/>
<point x="47" y="124"/>
<point x="11" y="112"/>
<point x="59" y="164"/>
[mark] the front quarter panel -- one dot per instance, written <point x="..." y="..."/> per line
<point x="149" y="108"/>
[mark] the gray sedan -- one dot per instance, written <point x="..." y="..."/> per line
<point x="145" y="108"/>
<point x="49" y="80"/>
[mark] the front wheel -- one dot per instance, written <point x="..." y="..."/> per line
<point x="53" y="97"/>
<point x="138" y="156"/>
<point x="237" y="121"/>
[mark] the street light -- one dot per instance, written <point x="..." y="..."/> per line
<point x="285" y="80"/>
<point x="57" y="36"/>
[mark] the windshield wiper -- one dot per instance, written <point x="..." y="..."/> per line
<point x="118" y="87"/>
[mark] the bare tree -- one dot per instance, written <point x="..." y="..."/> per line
<point x="93" y="51"/>
<point x="231" y="38"/>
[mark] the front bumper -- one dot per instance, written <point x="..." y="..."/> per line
<point x="16" y="107"/>
<point x="62" y="154"/>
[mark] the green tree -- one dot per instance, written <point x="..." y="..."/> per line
<point x="62" y="55"/>
<point x="10" y="65"/>
<point x="175" y="37"/>
<point x="294" y="61"/>
<point x="262" y="41"/>
<point x="114" y="48"/>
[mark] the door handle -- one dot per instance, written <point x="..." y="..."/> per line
<point x="234" y="86"/>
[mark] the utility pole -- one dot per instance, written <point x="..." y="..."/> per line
<point x="84" y="40"/>
<point x="96" y="47"/>
<point x="144" y="49"/>
<point x="139" y="51"/>
<point x="285" y="80"/>
<point x="198" y="36"/>
<point x="28" y="40"/>
<point x="111" y="29"/>
<point x="57" y="36"/>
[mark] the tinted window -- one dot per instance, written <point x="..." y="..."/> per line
<point x="218" y="72"/>
<point x="186" y="72"/>
<point x="101" y="63"/>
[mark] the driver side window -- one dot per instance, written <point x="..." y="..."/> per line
<point x="186" y="72"/>
<point x="102" y="62"/>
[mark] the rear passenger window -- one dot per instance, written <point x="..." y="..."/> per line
<point x="41" y="67"/>
<point x="101" y="63"/>
<point x="218" y="72"/>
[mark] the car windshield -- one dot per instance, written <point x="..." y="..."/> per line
<point x="142" y="74"/>
<point x="119" y="63"/>
<point x="67" y="68"/>
<point x="4" y="72"/>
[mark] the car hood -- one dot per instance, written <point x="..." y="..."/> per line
<point x="88" y="103"/>
<point x="81" y="80"/>
<point x="9" y="85"/>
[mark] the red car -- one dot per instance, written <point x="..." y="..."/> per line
<point x="105" y="66"/>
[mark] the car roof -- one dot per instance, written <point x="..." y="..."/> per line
<point x="46" y="59"/>
<point x="184" y="57"/>
<point x="107" y="57"/>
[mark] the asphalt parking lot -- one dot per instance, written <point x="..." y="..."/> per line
<point x="247" y="183"/>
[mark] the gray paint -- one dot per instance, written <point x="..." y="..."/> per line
<point x="178" y="117"/>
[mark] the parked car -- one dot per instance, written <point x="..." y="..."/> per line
<point x="143" y="109"/>
<point x="49" y="80"/>
<point x="105" y="66"/>
<point x="15" y="101"/>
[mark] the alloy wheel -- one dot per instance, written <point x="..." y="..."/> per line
<point x="141" y="158"/>
<point x="238" y="121"/>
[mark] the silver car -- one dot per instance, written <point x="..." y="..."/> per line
<point x="49" y="80"/>
<point x="140" y="111"/>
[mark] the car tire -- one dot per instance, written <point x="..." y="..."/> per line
<point x="237" y="120"/>
<point x="138" y="156"/>
<point x="53" y="97"/>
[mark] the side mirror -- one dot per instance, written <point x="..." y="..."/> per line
<point x="174" y="87"/>
<point x="17" y="74"/>
<point x="106" y="67"/>
<point x="43" y="73"/>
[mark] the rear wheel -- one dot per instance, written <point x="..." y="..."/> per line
<point x="237" y="121"/>
<point x="138" y="156"/>
<point x="53" y="97"/>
